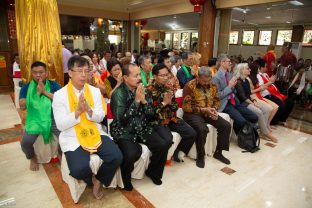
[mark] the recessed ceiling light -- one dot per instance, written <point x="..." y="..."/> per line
<point x="174" y="17"/>
<point x="296" y="3"/>
<point x="241" y="10"/>
<point x="288" y="22"/>
<point x="268" y="17"/>
<point x="268" y="8"/>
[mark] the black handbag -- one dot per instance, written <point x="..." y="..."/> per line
<point x="248" y="138"/>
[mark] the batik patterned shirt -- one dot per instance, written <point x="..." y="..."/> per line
<point x="163" y="114"/>
<point x="196" y="96"/>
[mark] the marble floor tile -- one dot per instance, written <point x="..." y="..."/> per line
<point x="271" y="177"/>
<point x="27" y="188"/>
<point x="8" y="111"/>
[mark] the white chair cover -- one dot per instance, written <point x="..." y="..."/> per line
<point x="45" y="152"/>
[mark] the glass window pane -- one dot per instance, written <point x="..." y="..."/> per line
<point x="233" y="37"/>
<point x="194" y="40"/>
<point x="184" y="40"/>
<point x="283" y="36"/>
<point x="248" y="37"/>
<point x="176" y="40"/>
<point x="307" y="37"/>
<point x="168" y="40"/>
<point x="265" y="37"/>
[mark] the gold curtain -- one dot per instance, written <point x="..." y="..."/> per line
<point x="39" y="37"/>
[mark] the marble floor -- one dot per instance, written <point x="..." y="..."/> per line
<point x="276" y="176"/>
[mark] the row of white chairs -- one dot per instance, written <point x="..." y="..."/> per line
<point x="46" y="152"/>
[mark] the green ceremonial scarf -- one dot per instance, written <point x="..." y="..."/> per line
<point x="187" y="73"/>
<point x="38" y="119"/>
<point x="143" y="76"/>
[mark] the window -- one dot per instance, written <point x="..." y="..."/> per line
<point x="265" y="37"/>
<point x="185" y="36"/>
<point x="307" y="38"/>
<point x="168" y="40"/>
<point x="248" y="37"/>
<point x="176" y="40"/>
<point x="283" y="36"/>
<point x="194" y="40"/>
<point x="233" y="39"/>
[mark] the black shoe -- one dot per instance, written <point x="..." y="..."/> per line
<point x="220" y="157"/>
<point x="200" y="163"/>
<point x="176" y="158"/>
<point x="155" y="180"/>
<point x="128" y="187"/>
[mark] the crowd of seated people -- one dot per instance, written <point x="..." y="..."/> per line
<point x="142" y="91"/>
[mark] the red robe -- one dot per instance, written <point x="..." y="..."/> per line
<point x="269" y="58"/>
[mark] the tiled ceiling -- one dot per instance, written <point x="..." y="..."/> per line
<point x="276" y="13"/>
<point x="187" y="21"/>
<point x="115" y="5"/>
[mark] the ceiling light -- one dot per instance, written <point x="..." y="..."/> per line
<point x="252" y="23"/>
<point x="288" y="22"/>
<point x="268" y="17"/>
<point x="174" y="17"/>
<point x="241" y="10"/>
<point x="296" y="3"/>
<point x="235" y="20"/>
<point x="268" y="8"/>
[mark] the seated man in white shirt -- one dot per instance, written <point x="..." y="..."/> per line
<point x="78" y="110"/>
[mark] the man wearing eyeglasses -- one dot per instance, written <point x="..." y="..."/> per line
<point x="132" y="109"/>
<point x="36" y="97"/>
<point x="226" y="82"/>
<point x="78" y="110"/>
<point x="200" y="105"/>
<point x="166" y="108"/>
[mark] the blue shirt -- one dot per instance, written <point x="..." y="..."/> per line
<point x="54" y="86"/>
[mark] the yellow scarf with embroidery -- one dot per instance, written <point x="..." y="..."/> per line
<point x="88" y="135"/>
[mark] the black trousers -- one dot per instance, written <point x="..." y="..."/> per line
<point x="199" y="123"/>
<point x="187" y="133"/>
<point x="158" y="142"/>
<point x="284" y="109"/>
<point x="79" y="162"/>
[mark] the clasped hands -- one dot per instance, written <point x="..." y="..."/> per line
<point x="40" y="87"/>
<point x="82" y="105"/>
<point x="140" y="94"/>
<point x="210" y="112"/>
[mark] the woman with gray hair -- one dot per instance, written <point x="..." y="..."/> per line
<point x="242" y="71"/>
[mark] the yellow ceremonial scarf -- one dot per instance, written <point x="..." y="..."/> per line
<point x="88" y="135"/>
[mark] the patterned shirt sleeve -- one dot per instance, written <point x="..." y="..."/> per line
<point x="216" y="100"/>
<point x="188" y="101"/>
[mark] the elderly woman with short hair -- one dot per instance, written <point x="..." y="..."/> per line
<point x="242" y="71"/>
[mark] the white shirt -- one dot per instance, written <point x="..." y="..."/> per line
<point x="174" y="70"/>
<point x="16" y="67"/>
<point x="261" y="82"/>
<point x="103" y="62"/>
<point x="65" y="120"/>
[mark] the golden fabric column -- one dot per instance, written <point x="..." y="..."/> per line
<point x="39" y="37"/>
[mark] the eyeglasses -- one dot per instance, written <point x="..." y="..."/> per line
<point x="163" y="75"/>
<point x="81" y="71"/>
<point x="228" y="61"/>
